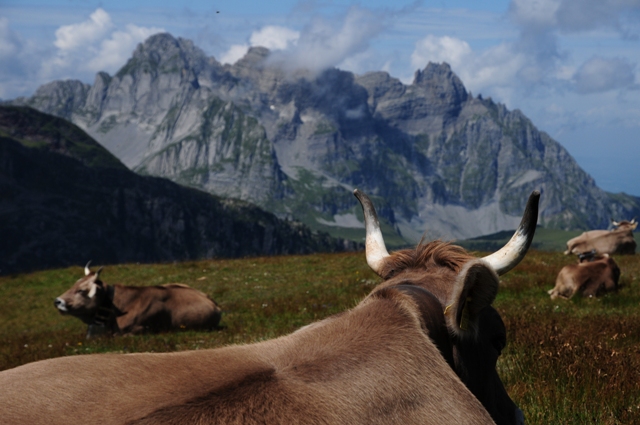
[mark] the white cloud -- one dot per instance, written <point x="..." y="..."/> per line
<point x="441" y="49"/>
<point x="496" y="70"/>
<point x="235" y="53"/>
<point x="91" y="46"/>
<point x="274" y="37"/>
<point x="326" y="43"/>
<point x="69" y="37"/>
<point x="536" y="61"/>
<point x="599" y="74"/>
<point x="323" y="43"/>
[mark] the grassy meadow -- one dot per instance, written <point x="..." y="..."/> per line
<point x="566" y="362"/>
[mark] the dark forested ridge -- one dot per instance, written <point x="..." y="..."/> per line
<point x="66" y="200"/>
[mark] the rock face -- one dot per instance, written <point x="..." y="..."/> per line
<point x="66" y="200"/>
<point x="436" y="158"/>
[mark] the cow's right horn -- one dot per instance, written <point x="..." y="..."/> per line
<point x="514" y="251"/>
<point x="375" y="248"/>
<point x="86" y="269"/>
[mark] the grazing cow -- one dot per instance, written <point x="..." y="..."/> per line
<point x="617" y="241"/>
<point x="594" y="275"/>
<point x="137" y="309"/>
<point x="421" y="348"/>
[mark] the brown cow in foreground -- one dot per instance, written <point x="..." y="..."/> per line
<point x="593" y="276"/>
<point x="421" y="348"/>
<point x="617" y="241"/>
<point x="137" y="309"/>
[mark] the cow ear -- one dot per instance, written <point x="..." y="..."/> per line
<point x="474" y="289"/>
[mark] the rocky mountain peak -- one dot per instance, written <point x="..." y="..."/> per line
<point x="297" y="142"/>
<point x="165" y="53"/>
<point x="254" y="56"/>
<point x="441" y="82"/>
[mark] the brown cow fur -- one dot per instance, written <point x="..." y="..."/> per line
<point x="591" y="279"/>
<point x="374" y="364"/>
<point x="185" y="307"/>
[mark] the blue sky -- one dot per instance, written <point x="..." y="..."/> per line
<point x="570" y="65"/>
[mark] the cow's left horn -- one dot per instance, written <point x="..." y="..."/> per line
<point x="86" y="269"/>
<point x="514" y="251"/>
<point x="375" y="248"/>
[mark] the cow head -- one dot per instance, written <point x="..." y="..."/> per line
<point x="83" y="299"/>
<point x="625" y="225"/>
<point x="464" y="287"/>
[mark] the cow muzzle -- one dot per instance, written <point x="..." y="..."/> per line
<point x="60" y="305"/>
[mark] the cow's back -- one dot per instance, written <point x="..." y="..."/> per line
<point x="618" y="241"/>
<point x="373" y="365"/>
<point x="164" y="308"/>
<point x="191" y="308"/>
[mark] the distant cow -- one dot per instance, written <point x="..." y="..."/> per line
<point x="617" y="241"/>
<point x="421" y="348"/>
<point x="137" y="309"/>
<point x="593" y="276"/>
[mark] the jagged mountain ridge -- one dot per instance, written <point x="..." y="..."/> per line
<point x="66" y="200"/>
<point x="436" y="158"/>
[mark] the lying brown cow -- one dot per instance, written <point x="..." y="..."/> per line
<point x="137" y="309"/>
<point x="420" y="349"/>
<point x="593" y="276"/>
<point x="617" y="241"/>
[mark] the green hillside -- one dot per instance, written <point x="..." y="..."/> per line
<point x="544" y="240"/>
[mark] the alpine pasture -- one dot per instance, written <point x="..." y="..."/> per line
<point x="568" y="362"/>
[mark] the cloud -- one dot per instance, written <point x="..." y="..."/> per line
<point x="497" y="69"/>
<point x="91" y="46"/>
<point x="441" y="49"/>
<point x="321" y="44"/>
<point x="14" y="69"/>
<point x="9" y="42"/>
<point x="572" y="16"/>
<point x="325" y="43"/>
<point x="235" y="53"/>
<point x="599" y="74"/>
<point x="536" y="59"/>
<point x="534" y="13"/>
<point x="272" y="37"/>
<point x="70" y="37"/>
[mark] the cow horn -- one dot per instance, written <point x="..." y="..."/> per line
<point x="514" y="251"/>
<point x="86" y="269"/>
<point x="375" y="249"/>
